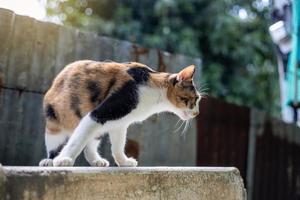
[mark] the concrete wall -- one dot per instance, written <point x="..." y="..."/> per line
<point x="33" y="52"/>
<point x="166" y="183"/>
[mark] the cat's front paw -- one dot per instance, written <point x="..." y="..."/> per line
<point x="129" y="162"/>
<point x="100" y="163"/>
<point x="46" y="163"/>
<point x="63" y="162"/>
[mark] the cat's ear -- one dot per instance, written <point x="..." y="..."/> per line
<point x="186" y="74"/>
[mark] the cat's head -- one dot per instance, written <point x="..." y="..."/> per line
<point x="183" y="94"/>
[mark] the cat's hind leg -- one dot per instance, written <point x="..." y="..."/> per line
<point x="55" y="141"/>
<point x="92" y="156"/>
<point x="116" y="106"/>
<point x="86" y="130"/>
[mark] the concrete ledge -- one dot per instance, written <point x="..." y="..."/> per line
<point x="37" y="183"/>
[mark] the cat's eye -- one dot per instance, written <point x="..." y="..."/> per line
<point x="184" y="99"/>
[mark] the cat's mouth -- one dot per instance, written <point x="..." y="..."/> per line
<point x="188" y="115"/>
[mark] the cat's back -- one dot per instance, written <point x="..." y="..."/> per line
<point x="90" y="76"/>
<point x="85" y="75"/>
<point x="80" y="87"/>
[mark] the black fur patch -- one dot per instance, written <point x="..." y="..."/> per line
<point x="139" y="74"/>
<point x="95" y="91"/>
<point x="110" y="85"/>
<point x="50" y="112"/>
<point x="75" y="81"/>
<point x="75" y="105"/>
<point x="174" y="81"/>
<point x="118" y="105"/>
<point x="53" y="153"/>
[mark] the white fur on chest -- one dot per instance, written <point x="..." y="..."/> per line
<point x="151" y="101"/>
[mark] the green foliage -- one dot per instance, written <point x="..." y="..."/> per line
<point x="230" y="36"/>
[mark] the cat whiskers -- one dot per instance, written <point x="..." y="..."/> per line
<point x="203" y="90"/>
<point x="186" y="126"/>
<point x="177" y="123"/>
<point x="177" y="129"/>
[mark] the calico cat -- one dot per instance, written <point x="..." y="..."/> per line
<point x="88" y="99"/>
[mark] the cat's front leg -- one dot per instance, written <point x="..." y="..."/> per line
<point x="118" y="140"/>
<point x="83" y="133"/>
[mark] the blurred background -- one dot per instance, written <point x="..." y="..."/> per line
<point x="221" y="32"/>
<point x="247" y="57"/>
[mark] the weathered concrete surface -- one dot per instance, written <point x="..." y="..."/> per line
<point x="21" y="128"/>
<point x="17" y="71"/>
<point x="42" y="69"/>
<point x="6" y="24"/>
<point x="122" y="183"/>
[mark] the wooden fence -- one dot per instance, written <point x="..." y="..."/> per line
<point x="264" y="149"/>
